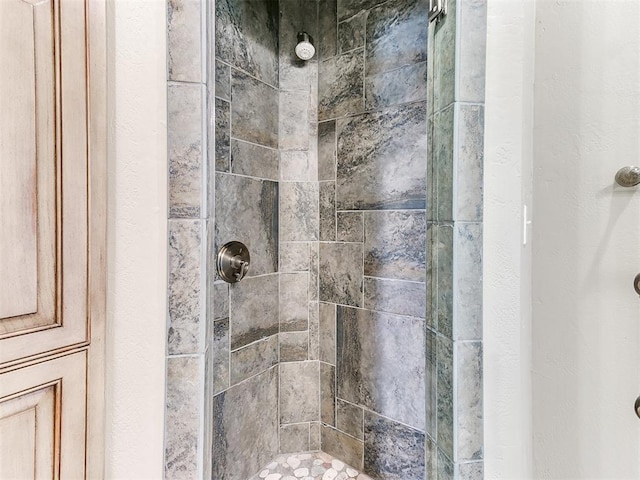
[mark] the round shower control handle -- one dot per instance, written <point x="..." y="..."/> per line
<point x="233" y="262"/>
<point x="636" y="284"/>
<point x="628" y="176"/>
<point x="636" y="407"/>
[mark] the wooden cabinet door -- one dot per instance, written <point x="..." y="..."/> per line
<point x="43" y="177"/>
<point x="42" y="420"/>
<point x="52" y="236"/>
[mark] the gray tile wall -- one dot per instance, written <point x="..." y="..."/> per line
<point x="245" y="100"/>
<point x="372" y="155"/>
<point x="454" y="313"/>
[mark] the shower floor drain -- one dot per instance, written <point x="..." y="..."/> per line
<point x="308" y="466"/>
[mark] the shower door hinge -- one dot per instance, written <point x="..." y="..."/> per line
<point x="437" y="9"/>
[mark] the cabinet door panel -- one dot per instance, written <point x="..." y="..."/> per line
<point x="43" y="176"/>
<point x="42" y="419"/>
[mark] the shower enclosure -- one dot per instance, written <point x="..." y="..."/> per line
<point x="355" y="180"/>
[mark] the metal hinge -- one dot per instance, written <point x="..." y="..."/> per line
<point x="437" y="9"/>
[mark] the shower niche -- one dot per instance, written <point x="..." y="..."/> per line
<point x="354" y="178"/>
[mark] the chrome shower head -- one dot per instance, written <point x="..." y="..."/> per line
<point x="305" y="49"/>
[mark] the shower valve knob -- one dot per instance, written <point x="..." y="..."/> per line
<point x="636" y="284"/>
<point x="233" y="262"/>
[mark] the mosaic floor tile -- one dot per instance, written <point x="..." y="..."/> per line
<point x="308" y="466"/>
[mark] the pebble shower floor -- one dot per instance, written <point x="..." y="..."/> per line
<point x="308" y="466"/>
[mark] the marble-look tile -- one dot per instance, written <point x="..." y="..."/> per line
<point x="314" y="331"/>
<point x="327" y="206"/>
<point x="394" y="245"/>
<point x="183" y="335"/>
<point x="294" y="257"/>
<point x="294" y="166"/>
<point x="184" y="42"/>
<point x="294" y="302"/>
<point x="327" y="28"/>
<point x="327" y="394"/>
<point x="388" y="28"/>
<point x="444" y="62"/>
<point x="443" y="126"/>
<point x="222" y="135"/>
<point x="443" y="290"/>
<point x="245" y="420"/>
<point x="445" y="426"/>
<point x="184" y="141"/>
<point x="299" y="216"/>
<point x="402" y="85"/>
<point x="469" y="165"/>
<point x="341" y="445"/>
<point x="299" y="392"/>
<point x="381" y="363"/>
<point x="349" y="419"/>
<point x="341" y="273"/>
<point x="431" y="277"/>
<point x="431" y="376"/>
<point x="327" y="150"/>
<point x="294" y="346"/>
<point x="296" y="16"/>
<point x="315" y="442"/>
<point x="182" y="416"/>
<point x="253" y="309"/>
<point x="254" y="110"/>
<point x="294" y="438"/>
<point x="223" y="80"/>
<point x="469" y="471"/>
<point x="220" y="301"/>
<point x="247" y="210"/>
<point x="395" y="296"/>
<point x="472" y="50"/>
<point x="220" y="352"/>
<point x="391" y="450"/>
<point x="340" y="86"/>
<point x="349" y="8"/>
<point x="431" y="461"/>
<point x="294" y="120"/>
<point x="468" y="392"/>
<point x="247" y="37"/>
<point x="253" y="359"/>
<point x="254" y="160"/>
<point x="327" y="315"/>
<point x="349" y="226"/>
<point x="444" y="467"/>
<point x="314" y="274"/>
<point x="351" y="32"/>
<point x="382" y="159"/>
<point x="467" y="292"/>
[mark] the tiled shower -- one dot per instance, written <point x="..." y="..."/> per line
<point x="355" y="180"/>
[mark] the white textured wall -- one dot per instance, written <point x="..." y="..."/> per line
<point x="507" y="263"/>
<point x="137" y="240"/>
<point x="586" y="323"/>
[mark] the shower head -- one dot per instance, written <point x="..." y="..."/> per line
<point x="305" y="49"/>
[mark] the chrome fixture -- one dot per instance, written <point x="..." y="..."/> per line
<point x="233" y="262"/>
<point x="437" y="10"/>
<point x="628" y="176"/>
<point x="636" y="284"/>
<point x="305" y="49"/>
<point x="636" y="407"/>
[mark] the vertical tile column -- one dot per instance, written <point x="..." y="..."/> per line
<point x="185" y="448"/>
<point x="299" y="229"/>
<point x="454" y="245"/>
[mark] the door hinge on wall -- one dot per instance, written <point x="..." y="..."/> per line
<point x="437" y="10"/>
